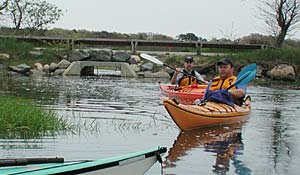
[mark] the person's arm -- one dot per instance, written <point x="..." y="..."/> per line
<point x="174" y="78"/>
<point x="239" y="92"/>
<point x="200" y="78"/>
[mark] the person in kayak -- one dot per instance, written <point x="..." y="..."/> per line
<point x="187" y="76"/>
<point x="227" y="78"/>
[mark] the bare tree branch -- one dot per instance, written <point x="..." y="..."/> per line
<point x="3" y="5"/>
<point x="280" y="16"/>
<point x="33" y="14"/>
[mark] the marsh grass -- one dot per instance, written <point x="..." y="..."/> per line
<point x="20" y="52"/>
<point x="22" y="118"/>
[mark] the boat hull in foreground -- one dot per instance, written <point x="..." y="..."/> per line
<point x="132" y="164"/>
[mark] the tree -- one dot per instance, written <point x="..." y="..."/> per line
<point x="16" y="10"/>
<point x="281" y="17"/>
<point x="3" y="5"/>
<point x="41" y="14"/>
<point x="34" y="14"/>
<point x="188" y="37"/>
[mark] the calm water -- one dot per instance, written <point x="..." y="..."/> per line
<point x="114" y="116"/>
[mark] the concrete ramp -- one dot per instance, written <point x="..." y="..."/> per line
<point x="75" y="68"/>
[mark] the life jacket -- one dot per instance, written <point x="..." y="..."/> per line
<point x="187" y="80"/>
<point x="217" y="83"/>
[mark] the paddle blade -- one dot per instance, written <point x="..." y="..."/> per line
<point x="250" y="67"/>
<point x="245" y="76"/>
<point x="152" y="59"/>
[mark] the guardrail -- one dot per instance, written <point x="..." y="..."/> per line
<point x="135" y="43"/>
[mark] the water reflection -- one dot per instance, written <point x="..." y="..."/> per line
<point x="223" y="142"/>
<point x="280" y="144"/>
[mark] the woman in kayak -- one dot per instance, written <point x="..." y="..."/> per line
<point x="187" y="76"/>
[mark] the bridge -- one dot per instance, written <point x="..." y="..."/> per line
<point x="134" y="44"/>
<point x="76" y="67"/>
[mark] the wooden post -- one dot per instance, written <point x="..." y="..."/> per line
<point x="134" y="46"/>
<point x="198" y="47"/>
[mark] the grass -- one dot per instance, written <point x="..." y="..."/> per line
<point x="20" y="52"/>
<point x="22" y="118"/>
<point x="284" y="55"/>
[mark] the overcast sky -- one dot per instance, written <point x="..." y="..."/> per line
<point x="205" y="18"/>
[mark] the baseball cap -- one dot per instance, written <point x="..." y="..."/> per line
<point x="188" y="59"/>
<point x="224" y="61"/>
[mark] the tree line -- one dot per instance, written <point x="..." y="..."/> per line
<point x="281" y="17"/>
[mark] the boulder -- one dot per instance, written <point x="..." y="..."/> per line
<point x="134" y="59"/>
<point x="38" y="66"/>
<point x="63" y="64"/>
<point x="147" y="67"/>
<point x="46" y="68"/>
<point x="100" y="55"/>
<point x="283" y="72"/>
<point x="22" y="68"/>
<point x="79" y="55"/>
<point x="120" y="56"/>
<point x="53" y="67"/>
<point x="3" y="57"/>
<point x="59" y="71"/>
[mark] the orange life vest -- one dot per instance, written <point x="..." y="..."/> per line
<point x="218" y="83"/>
<point x="187" y="80"/>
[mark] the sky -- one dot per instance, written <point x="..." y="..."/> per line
<point x="206" y="18"/>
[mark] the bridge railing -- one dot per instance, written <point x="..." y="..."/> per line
<point x="134" y="44"/>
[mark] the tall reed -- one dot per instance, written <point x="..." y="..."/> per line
<point x="22" y="118"/>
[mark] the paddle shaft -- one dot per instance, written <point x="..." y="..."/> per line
<point x="238" y="80"/>
<point x="156" y="61"/>
<point x="182" y="72"/>
<point x="26" y="161"/>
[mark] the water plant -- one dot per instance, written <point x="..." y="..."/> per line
<point x="20" y="117"/>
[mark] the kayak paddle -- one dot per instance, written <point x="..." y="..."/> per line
<point x="156" y="61"/>
<point x="245" y="76"/>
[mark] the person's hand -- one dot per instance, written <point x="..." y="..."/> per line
<point x="177" y="70"/>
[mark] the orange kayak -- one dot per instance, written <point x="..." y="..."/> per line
<point x="184" y="95"/>
<point x="188" y="117"/>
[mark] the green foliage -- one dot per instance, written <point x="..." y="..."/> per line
<point x="268" y="58"/>
<point x="41" y="14"/>
<point x="20" y="52"/>
<point x="257" y="39"/>
<point x="174" y="60"/>
<point x="21" y="118"/>
<point x="188" y="37"/>
<point x="16" y="51"/>
<point x="33" y="14"/>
